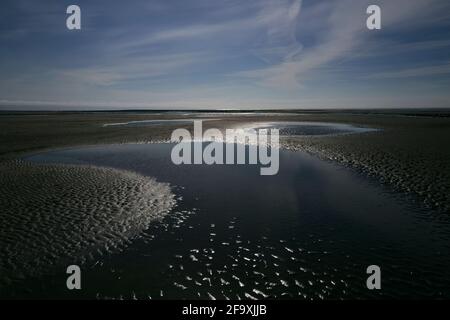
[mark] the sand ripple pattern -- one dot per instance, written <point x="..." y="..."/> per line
<point x="415" y="165"/>
<point x="58" y="214"/>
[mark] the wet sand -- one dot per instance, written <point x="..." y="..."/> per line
<point x="308" y="232"/>
<point x="408" y="154"/>
<point x="55" y="214"/>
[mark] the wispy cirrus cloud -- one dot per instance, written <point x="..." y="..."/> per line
<point x="339" y="36"/>
<point x="225" y="54"/>
<point x="126" y="69"/>
<point x="269" y="17"/>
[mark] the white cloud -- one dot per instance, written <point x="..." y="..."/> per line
<point x="343" y="32"/>
<point x="281" y="44"/>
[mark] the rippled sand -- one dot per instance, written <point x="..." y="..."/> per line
<point x="409" y="153"/>
<point x="58" y="214"/>
<point x="405" y="160"/>
<point x="307" y="233"/>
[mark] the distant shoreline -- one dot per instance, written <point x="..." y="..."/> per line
<point x="418" y="112"/>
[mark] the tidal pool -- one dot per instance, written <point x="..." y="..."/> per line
<point x="308" y="232"/>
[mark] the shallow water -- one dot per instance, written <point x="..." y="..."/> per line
<point x="309" y="232"/>
<point x="286" y="128"/>
<point x="155" y="122"/>
<point x="308" y="128"/>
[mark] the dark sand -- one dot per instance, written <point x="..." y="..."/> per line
<point x="308" y="232"/>
<point x="410" y="153"/>
<point x="51" y="215"/>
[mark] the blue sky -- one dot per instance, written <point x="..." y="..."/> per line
<point x="224" y="54"/>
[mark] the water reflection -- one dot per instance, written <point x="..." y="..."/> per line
<point x="307" y="233"/>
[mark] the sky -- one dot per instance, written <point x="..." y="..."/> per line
<point x="227" y="54"/>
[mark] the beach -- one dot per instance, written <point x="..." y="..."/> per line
<point x="339" y="202"/>
<point x="408" y="153"/>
